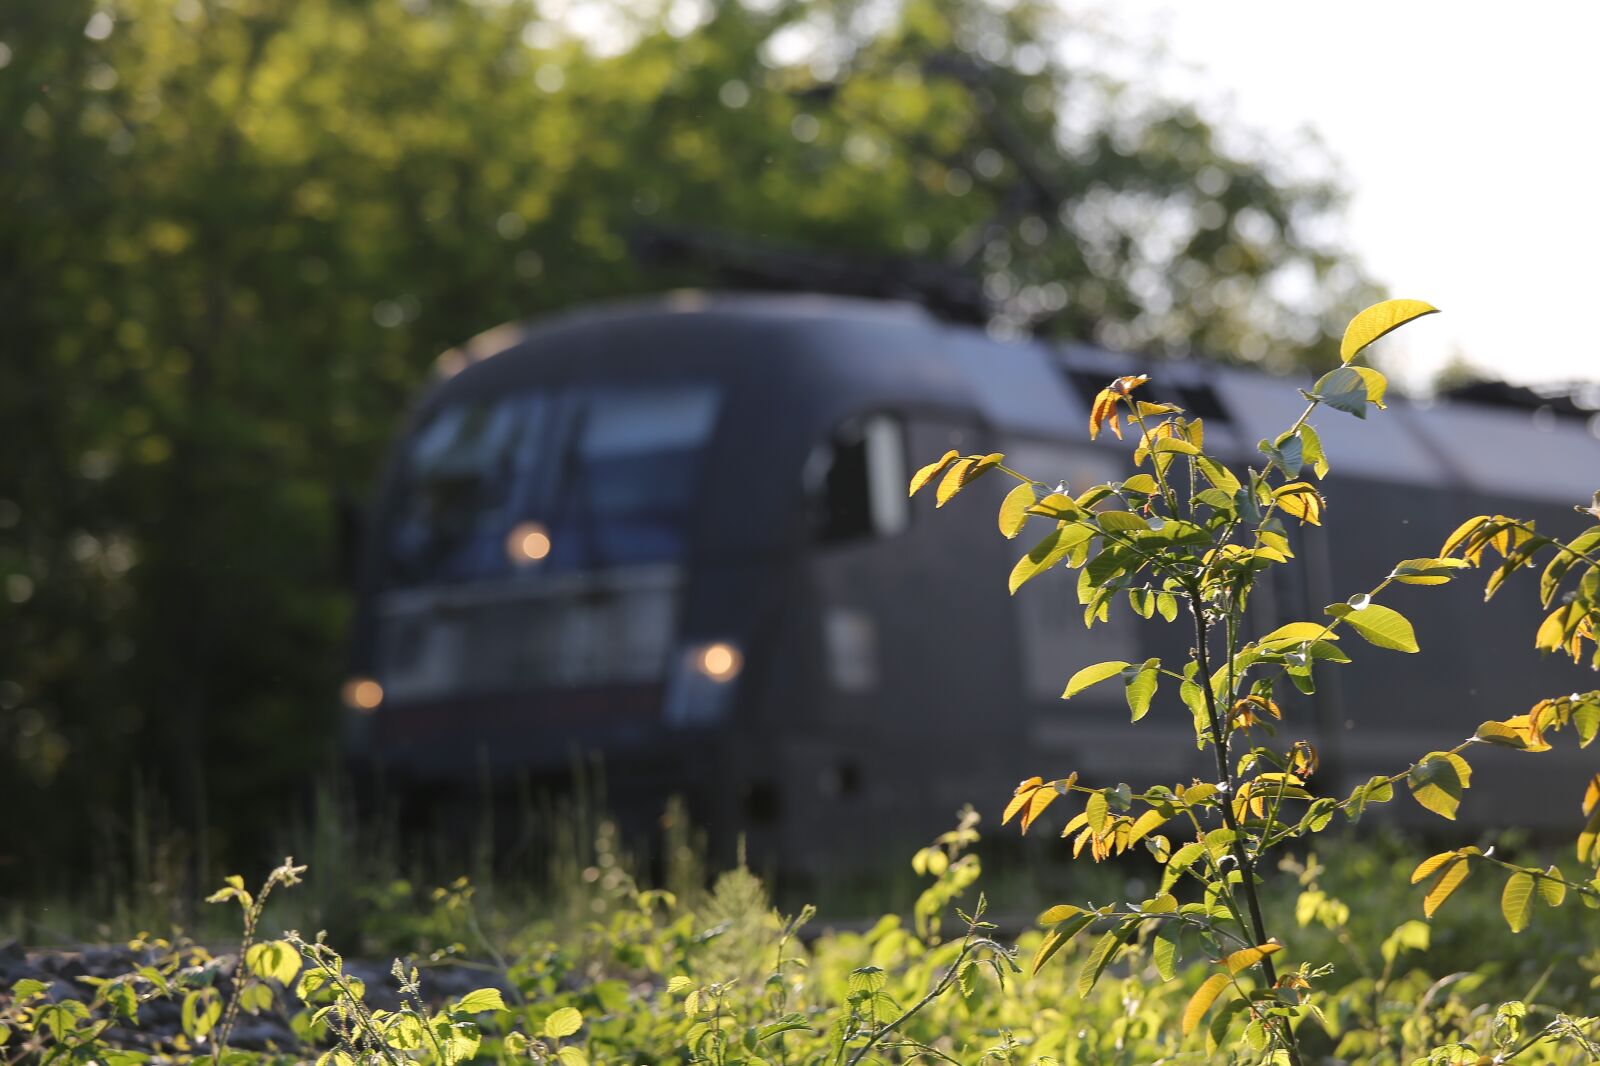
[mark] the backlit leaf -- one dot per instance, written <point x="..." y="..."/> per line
<point x="954" y="479"/>
<point x="560" y="1023"/>
<point x="1301" y="500"/>
<point x="1245" y="958"/>
<point x="1516" y="902"/>
<point x="1014" y="509"/>
<point x="1058" y="938"/>
<point x="931" y="471"/>
<point x="1287" y="636"/>
<point x="1448" y="881"/>
<point x="1141" y="688"/>
<point x="1377" y="385"/>
<point x="1427" y="571"/>
<point x="1202" y="999"/>
<point x="483" y="999"/>
<point x="1438" y="781"/>
<point x="1551" y="889"/>
<point x="1055" y="546"/>
<point x="1377" y="320"/>
<point x="1020" y="798"/>
<point x="1092" y="675"/>
<point x="1379" y="625"/>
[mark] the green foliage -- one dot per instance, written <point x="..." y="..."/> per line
<point x="1193" y="531"/>
<point x="648" y="977"/>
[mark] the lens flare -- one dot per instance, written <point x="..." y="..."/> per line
<point x="719" y="662"/>
<point x="362" y="694"/>
<point x="527" y="543"/>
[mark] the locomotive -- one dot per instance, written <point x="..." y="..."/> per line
<point x="676" y="532"/>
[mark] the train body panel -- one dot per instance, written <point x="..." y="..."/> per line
<point x="677" y="534"/>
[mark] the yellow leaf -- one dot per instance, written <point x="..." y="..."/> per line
<point x="1430" y="864"/>
<point x="1301" y="500"/>
<point x="1447" y="882"/>
<point x="1041" y="798"/>
<point x="1591" y="795"/>
<point x="1377" y="385"/>
<point x="1377" y="320"/>
<point x="1245" y="958"/>
<point x="1462" y="532"/>
<point x="1147" y="823"/>
<point x="929" y="472"/>
<point x="1019" y="799"/>
<point x="1202" y="999"/>
<point x="1589" y="840"/>
<point x="954" y="478"/>
<point x="1014" y="510"/>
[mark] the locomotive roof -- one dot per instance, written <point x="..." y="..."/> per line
<point x="882" y="351"/>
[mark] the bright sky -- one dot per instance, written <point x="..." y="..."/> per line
<point x="1468" y="135"/>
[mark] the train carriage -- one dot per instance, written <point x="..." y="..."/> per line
<point x="676" y="533"/>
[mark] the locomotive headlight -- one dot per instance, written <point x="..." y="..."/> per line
<point x="703" y="683"/>
<point x="721" y="662"/>
<point x="362" y="694"/>
<point x="528" y="542"/>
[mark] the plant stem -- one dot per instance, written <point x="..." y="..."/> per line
<point x="1225" y="777"/>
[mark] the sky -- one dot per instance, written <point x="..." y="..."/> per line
<point x="1469" y="139"/>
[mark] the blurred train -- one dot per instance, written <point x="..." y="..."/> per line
<point x="677" y="533"/>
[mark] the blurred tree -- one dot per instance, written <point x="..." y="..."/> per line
<point x="238" y="231"/>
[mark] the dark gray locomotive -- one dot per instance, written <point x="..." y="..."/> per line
<point x="676" y="533"/>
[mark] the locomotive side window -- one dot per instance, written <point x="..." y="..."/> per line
<point x="857" y="481"/>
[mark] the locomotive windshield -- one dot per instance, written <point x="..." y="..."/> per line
<point x="573" y="479"/>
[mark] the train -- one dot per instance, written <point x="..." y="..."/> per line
<point x="676" y="532"/>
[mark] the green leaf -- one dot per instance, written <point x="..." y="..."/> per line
<point x="1343" y="390"/>
<point x="1377" y="320"/>
<point x="482" y="999"/>
<point x="1047" y="553"/>
<point x="1093" y="675"/>
<point x="867" y="981"/>
<point x="1058" y="938"/>
<point x="1217" y="474"/>
<point x="1294" y="633"/>
<point x="1164" y="951"/>
<point x="1100" y="957"/>
<point x="1380" y="625"/>
<point x="1428" y="571"/>
<point x="1167" y="606"/>
<point x="1141" y="688"/>
<point x="1516" y="902"/>
<point x="1122" y="521"/>
<point x="1312" y="444"/>
<point x="1014" y="509"/>
<point x="276" y="959"/>
<point x="560" y="1023"/>
<point x="1551" y="890"/>
<point x="1438" y="781"/>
